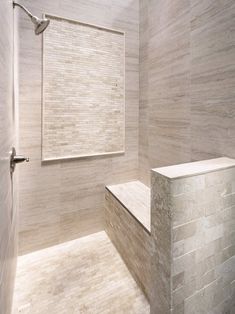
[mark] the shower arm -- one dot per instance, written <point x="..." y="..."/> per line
<point x="23" y="8"/>
<point x="39" y="24"/>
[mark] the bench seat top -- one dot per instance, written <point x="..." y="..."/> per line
<point x="135" y="197"/>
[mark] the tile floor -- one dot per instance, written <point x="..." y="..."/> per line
<point x="84" y="276"/>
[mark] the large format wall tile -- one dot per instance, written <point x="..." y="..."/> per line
<point x="144" y="169"/>
<point x="213" y="78"/>
<point x="168" y="88"/>
<point x="187" y="79"/>
<point x="63" y="200"/>
<point x="8" y="138"/>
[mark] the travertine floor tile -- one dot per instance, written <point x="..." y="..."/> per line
<point x="81" y="276"/>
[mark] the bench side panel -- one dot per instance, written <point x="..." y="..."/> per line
<point x="132" y="241"/>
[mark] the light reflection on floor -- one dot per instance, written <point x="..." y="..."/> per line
<point x="81" y="276"/>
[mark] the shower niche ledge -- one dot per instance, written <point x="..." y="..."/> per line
<point x="178" y="243"/>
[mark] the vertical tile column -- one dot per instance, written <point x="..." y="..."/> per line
<point x="161" y="234"/>
<point x="193" y="229"/>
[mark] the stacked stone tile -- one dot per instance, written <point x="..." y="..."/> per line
<point x="193" y="230"/>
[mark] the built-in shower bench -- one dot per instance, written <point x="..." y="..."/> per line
<point x="128" y="222"/>
<point x="135" y="198"/>
<point x="192" y="235"/>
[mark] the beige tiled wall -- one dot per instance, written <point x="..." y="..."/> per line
<point x="60" y="201"/>
<point x="187" y="80"/>
<point x="193" y="229"/>
<point x="8" y="138"/>
<point x="144" y="166"/>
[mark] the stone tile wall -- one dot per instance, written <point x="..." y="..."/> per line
<point x="193" y="230"/>
<point x="131" y="240"/>
<point x="64" y="200"/>
<point x="187" y="79"/>
<point x="8" y="138"/>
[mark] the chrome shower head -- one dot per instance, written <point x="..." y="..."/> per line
<point x="39" y="24"/>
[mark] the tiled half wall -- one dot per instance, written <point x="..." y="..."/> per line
<point x="193" y="230"/>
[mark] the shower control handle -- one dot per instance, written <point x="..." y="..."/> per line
<point x="16" y="159"/>
<point x="19" y="158"/>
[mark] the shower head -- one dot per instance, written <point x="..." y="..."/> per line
<point x="39" y="24"/>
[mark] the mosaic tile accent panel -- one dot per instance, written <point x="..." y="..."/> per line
<point x="83" y="90"/>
